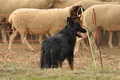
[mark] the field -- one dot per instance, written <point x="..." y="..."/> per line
<point x="22" y="64"/>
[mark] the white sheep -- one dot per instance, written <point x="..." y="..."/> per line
<point x="109" y="0"/>
<point x="86" y="4"/>
<point x="8" y="6"/>
<point x="67" y="3"/>
<point x="107" y="18"/>
<point x="38" y="21"/>
<point x="64" y="4"/>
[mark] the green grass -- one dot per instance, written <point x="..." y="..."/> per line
<point x="13" y="71"/>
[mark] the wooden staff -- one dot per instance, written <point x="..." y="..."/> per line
<point x="97" y="36"/>
<point x="91" y="49"/>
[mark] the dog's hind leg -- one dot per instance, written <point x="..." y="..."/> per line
<point x="54" y="61"/>
<point x="42" y="60"/>
<point x="47" y="60"/>
<point x="70" y="61"/>
<point x="60" y="64"/>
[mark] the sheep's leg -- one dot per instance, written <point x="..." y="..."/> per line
<point x="84" y="44"/>
<point x="77" y="46"/>
<point x="40" y="39"/>
<point x="93" y="42"/>
<point x="110" y="39"/>
<point x="47" y="35"/>
<point x="12" y="37"/>
<point x="24" y="40"/>
<point x="4" y="36"/>
<point x="118" y="33"/>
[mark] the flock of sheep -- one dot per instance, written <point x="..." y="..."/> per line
<point x="35" y="16"/>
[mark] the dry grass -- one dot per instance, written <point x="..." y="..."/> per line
<point x="13" y="71"/>
<point x="21" y="64"/>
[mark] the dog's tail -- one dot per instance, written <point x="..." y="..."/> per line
<point x="45" y="56"/>
<point x="50" y="53"/>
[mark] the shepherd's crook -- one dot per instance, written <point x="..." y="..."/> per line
<point x="94" y="17"/>
<point x="91" y="49"/>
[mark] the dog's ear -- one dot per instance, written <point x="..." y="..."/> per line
<point x="83" y="9"/>
<point x="70" y="21"/>
<point x="80" y="9"/>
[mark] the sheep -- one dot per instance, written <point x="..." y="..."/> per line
<point x="86" y="4"/>
<point x="109" y="0"/>
<point x="67" y="3"/>
<point x="107" y="18"/>
<point x="64" y="4"/>
<point x="8" y="6"/>
<point x="38" y="21"/>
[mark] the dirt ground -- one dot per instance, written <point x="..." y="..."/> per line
<point x="24" y="57"/>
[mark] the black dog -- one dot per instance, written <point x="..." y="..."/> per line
<point x="60" y="46"/>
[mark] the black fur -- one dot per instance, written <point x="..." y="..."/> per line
<point x="60" y="46"/>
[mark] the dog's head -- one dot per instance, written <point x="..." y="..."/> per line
<point x="75" y="27"/>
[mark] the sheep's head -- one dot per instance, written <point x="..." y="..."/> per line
<point x="76" y="11"/>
